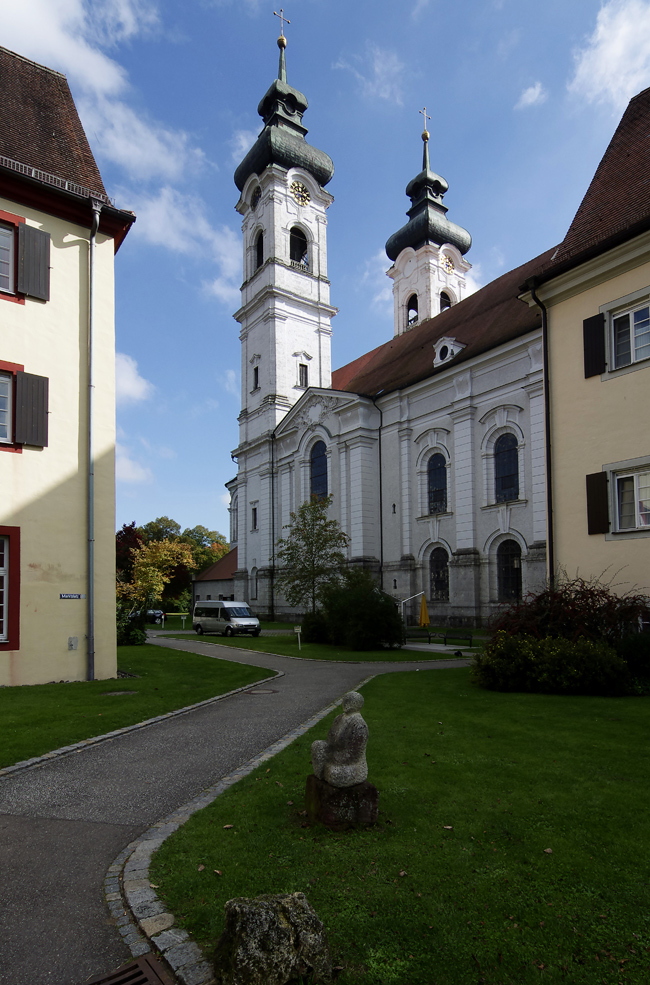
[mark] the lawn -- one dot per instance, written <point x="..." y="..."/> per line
<point x="37" y="719"/>
<point x="288" y="646"/>
<point x="511" y="846"/>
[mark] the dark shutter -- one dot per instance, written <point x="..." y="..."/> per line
<point x="33" y="262"/>
<point x="593" y="334"/>
<point x="31" y="409"/>
<point x="597" y="505"/>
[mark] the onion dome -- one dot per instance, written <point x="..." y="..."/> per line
<point x="282" y="141"/>
<point x="427" y="219"/>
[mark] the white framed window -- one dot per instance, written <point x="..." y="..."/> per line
<point x="254" y="518"/>
<point x="630" y="339"/>
<point x="632" y="495"/>
<point x="6" y="404"/>
<point x="303" y="375"/>
<point x="7" y="259"/>
<point x="4" y="585"/>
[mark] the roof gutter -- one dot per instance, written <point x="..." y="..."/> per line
<point x="532" y="284"/>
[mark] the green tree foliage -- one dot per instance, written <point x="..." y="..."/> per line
<point x="202" y="548"/>
<point x="359" y="615"/>
<point x="312" y="554"/>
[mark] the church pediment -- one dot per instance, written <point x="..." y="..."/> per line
<point x="313" y="409"/>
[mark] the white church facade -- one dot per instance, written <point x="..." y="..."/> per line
<point x="431" y="445"/>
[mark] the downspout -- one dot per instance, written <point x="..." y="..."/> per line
<point x="532" y="283"/>
<point x="272" y="612"/>
<point x="96" y="207"/>
<point x="381" y="503"/>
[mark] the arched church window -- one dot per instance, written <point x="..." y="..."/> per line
<point x="259" y="250"/>
<point x="445" y="301"/>
<point x="412" y="309"/>
<point x="318" y="461"/>
<point x="437" y="484"/>
<point x="506" y="468"/>
<point x="509" y="571"/>
<point x="439" y="571"/>
<point x="298" y="248"/>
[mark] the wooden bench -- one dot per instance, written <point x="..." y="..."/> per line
<point x="452" y="635"/>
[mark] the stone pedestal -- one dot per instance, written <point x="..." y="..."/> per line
<point x="339" y="808"/>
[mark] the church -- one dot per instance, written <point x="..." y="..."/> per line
<point x="432" y="446"/>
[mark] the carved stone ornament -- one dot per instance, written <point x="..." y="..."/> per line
<point x="315" y="414"/>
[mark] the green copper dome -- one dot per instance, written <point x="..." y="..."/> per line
<point x="282" y="141"/>
<point x="427" y="216"/>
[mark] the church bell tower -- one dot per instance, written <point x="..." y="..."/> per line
<point x="284" y="316"/>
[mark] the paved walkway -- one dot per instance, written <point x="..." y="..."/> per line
<point x="63" y="823"/>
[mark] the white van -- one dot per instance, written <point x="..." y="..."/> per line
<point x="227" y="618"/>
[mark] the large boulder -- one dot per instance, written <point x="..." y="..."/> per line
<point x="271" y="940"/>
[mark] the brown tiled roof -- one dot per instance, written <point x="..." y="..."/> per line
<point x="488" y="318"/>
<point x="617" y="204"/>
<point x="221" y="570"/>
<point x="39" y="123"/>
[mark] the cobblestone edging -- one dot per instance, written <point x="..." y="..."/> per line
<point x="28" y="764"/>
<point x="141" y="917"/>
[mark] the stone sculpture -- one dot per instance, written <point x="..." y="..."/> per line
<point x="340" y="759"/>
<point x="338" y="793"/>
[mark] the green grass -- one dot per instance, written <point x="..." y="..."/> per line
<point x="453" y="885"/>
<point x="288" y="646"/>
<point x="37" y="719"/>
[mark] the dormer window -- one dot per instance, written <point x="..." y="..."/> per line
<point x="298" y="253"/>
<point x="445" y="301"/>
<point x="412" y="310"/>
<point x="445" y="349"/>
<point x="259" y="250"/>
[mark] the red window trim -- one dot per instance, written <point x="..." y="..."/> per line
<point x="13" y="220"/>
<point x="13" y="613"/>
<point x="12" y="368"/>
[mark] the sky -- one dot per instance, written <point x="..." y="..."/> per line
<point x="523" y="97"/>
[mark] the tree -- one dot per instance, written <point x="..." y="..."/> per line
<point x="359" y="615"/>
<point x="312" y="554"/>
<point x="162" y="528"/>
<point x="203" y="537"/>
<point x="126" y="539"/>
<point x="153" y="566"/>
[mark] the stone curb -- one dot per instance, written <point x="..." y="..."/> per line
<point x="28" y="764"/>
<point x="141" y="917"/>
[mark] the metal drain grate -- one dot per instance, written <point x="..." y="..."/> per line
<point x="146" y="970"/>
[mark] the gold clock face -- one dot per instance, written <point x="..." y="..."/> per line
<point x="448" y="264"/>
<point x="300" y="192"/>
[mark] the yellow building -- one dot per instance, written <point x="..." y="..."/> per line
<point x="596" y="296"/>
<point x="58" y="236"/>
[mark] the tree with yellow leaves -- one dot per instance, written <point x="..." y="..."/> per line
<point x="153" y="567"/>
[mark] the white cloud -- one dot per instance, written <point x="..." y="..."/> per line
<point x="229" y="382"/>
<point x="130" y="387"/>
<point x="379" y="73"/>
<point x="143" y="148"/>
<point x="534" y="95"/>
<point x="508" y="43"/>
<point x="614" y="64"/>
<point x="474" y="280"/>
<point x="420" y="5"/>
<point x="127" y="469"/>
<point x="241" y="142"/>
<point x="380" y="286"/>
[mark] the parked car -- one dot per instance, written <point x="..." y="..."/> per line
<point x="155" y="615"/>
<point x="227" y="618"/>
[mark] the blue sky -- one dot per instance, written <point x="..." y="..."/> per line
<point x="523" y="96"/>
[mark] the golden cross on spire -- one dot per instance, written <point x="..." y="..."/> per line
<point x="283" y="20"/>
<point x="424" y="114"/>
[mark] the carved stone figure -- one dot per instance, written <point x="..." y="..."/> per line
<point x="340" y="760"/>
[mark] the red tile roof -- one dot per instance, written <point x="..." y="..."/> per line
<point x="221" y="570"/>
<point x="39" y="123"/>
<point x="617" y="204"/>
<point x="488" y="318"/>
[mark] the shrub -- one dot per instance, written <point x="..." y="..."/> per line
<point x="130" y="631"/>
<point x="314" y="628"/>
<point x="550" y="666"/>
<point x="359" y="615"/>
<point x="634" y="649"/>
<point x="575" y="609"/>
